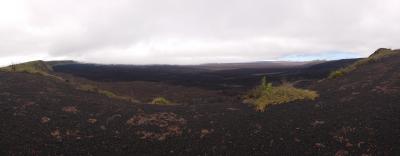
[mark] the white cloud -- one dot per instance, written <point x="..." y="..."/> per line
<point x="192" y="31"/>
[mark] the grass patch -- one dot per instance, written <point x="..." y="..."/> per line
<point x="266" y="95"/>
<point x="109" y="94"/>
<point x="86" y="87"/>
<point x="375" y="57"/>
<point x="160" y="101"/>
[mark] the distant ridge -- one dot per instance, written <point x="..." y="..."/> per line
<point x="257" y="64"/>
<point x="377" y="56"/>
<point x="61" y="62"/>
<point x="34" y="67"/>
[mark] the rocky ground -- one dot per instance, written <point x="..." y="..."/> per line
<point x="358" y="114"/>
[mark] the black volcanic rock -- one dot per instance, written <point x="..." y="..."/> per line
<point x="357" y="114"/>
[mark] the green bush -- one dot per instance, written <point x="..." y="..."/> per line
<point x="266" y="95"/>
<point x="263" y="87"/>
<point x="160" y="101"/>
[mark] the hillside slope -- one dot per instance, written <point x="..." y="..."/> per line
<point x="365" y="101"/>
<point x="33" y="67"/>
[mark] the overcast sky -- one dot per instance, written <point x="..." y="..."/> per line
<point x="195" y="31"/>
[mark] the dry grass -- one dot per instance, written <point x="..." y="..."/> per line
<point x="262" y="97"/>
<point x="160" y="101"/>
<point x="109" y="94"/>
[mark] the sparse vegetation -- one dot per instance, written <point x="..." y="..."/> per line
<point x="87" y="87"/>
<point x="378" y="55"/>
<point x="160" y="101"/>
<point x="33" y="67"/>
<point x="266" y="95"/>
<point x="336" y="74"/>
<point x="42" y="68"/>
<point x="92" y="88"/>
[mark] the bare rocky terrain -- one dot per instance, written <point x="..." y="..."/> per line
<point x="356" y="114"/>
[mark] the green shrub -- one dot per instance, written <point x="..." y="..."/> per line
<point x="264" y="96"/>
<point x="160" y="101"/>
<point x="265" y="86"/>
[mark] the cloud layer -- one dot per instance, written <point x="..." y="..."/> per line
<point x="193" y="31"/>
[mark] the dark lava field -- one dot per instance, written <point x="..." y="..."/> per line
<point x="356" y="114"/>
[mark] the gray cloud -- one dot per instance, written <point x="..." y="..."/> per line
<point x="192" y="31"/>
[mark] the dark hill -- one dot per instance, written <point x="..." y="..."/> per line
<point x="256" y="65"/>
<point x="366" y="100"/>
<point x="35" y="67"/>
<point x="215" y="76"/>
